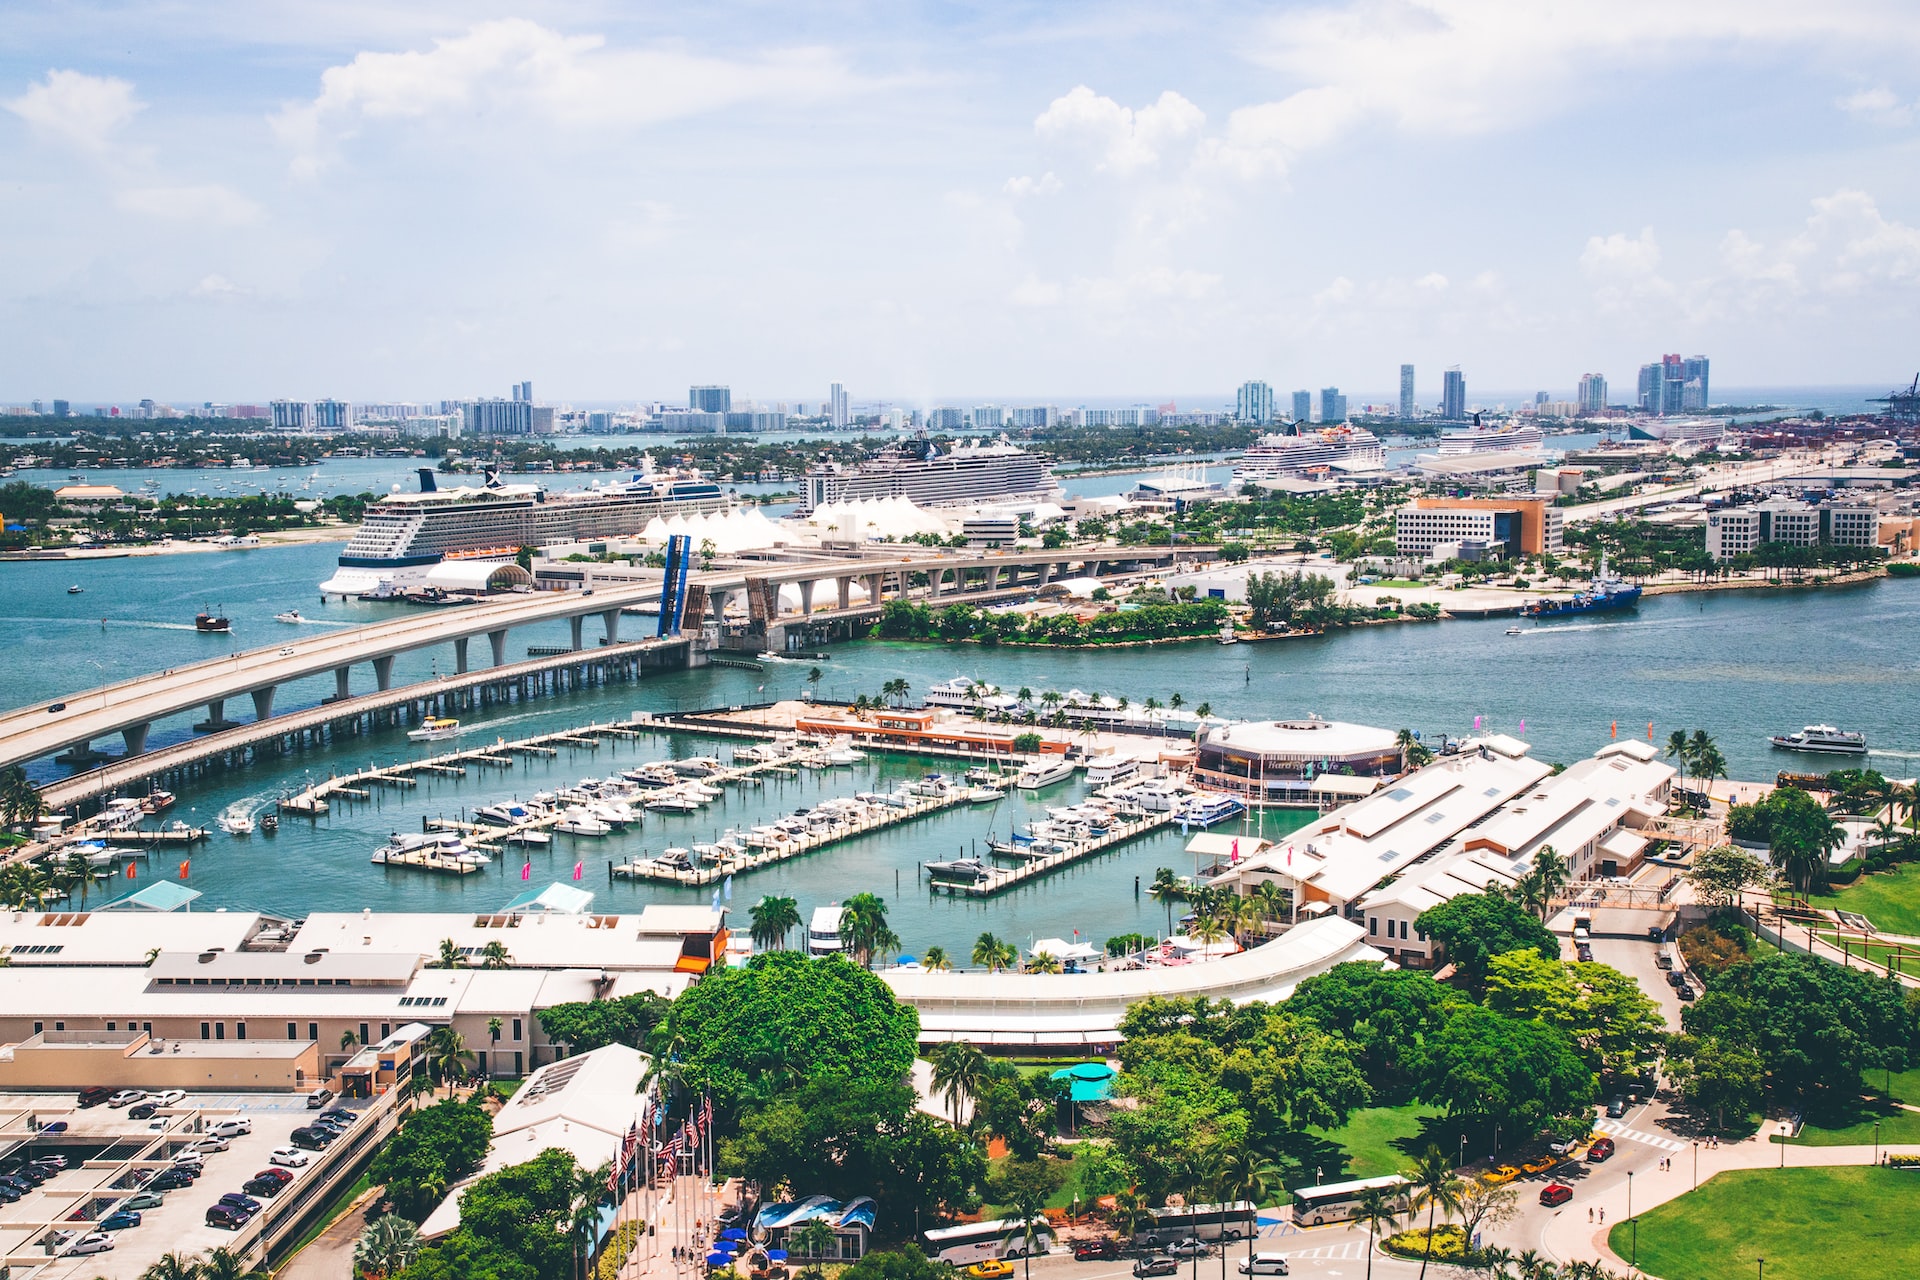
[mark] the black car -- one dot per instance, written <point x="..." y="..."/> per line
<point x="233" y="1199"/>
<point x="171" y="1180"/>
<point x="341" y="1115"/>
<point x="268" y="1187"/>
<point x="1617" y="1107"/>
<point x="1675" y="977"/>
<point x="36" y="1174"/>
<point x="14" y="1183"/>
<point x="143" y="1111"/>
<point x="311" y="1139"/>
<point x="225" y="1215"/>
<point x="1684" y="991"/>
<point x="8" y="1195"/>
<point x="334" y="1127"/>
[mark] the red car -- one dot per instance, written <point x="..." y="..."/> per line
<point x="1555" y="1193"/>
<point x="1602" y="1149"/>
<point x="1084" y="1250"/>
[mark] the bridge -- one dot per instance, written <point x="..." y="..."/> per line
<point x="130" y="707"/>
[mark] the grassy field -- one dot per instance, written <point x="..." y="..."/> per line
<point x="1069" y="1189"/>
<point x="1851" y="1223"/>
<point x="1896" y="1125"/>
<point x="1890" y="899"/>
<point x="1375" y="1141"/>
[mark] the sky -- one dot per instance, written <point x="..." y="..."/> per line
<point x="234" y="200"/>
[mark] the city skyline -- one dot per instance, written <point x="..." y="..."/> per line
<point x="1094" y="196"/>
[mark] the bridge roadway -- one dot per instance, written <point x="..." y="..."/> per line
<point x="130" y="707"/>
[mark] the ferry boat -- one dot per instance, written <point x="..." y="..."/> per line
<point x="1277" y="457"/>
<point x="1208" y="809"/>
<point x="1605" y="593"/>
<point x="1822" y="739"/>
<point x="435" y="729"/>
<point x="211" y="624"/>
<point x="405" y="534"/>
<point x="969" y="472"/>
<point x="1036" y="774"/>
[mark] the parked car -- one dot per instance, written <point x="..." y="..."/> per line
<point x="1501" y="1174"/>
<point x="231" y="1128"/>
<point x="10" y="1195"/>
<point x="56" y="1126"/>
<point x="227" y="1217"/>
<point x="1584" y="953"/>
<point x="291" y="1157"/>
<point x="143" y="1110"/>
<point x="189" y="1158"/>
<point x="1264" y="1264"/>
<point x="278" y="1174"/>
<point x="1555" y="1193"/>
<point x="93" y="1242"/>
<point x="1104" y="1247"/>
<point x="172" y="1179"/>
<point x="263" y="1186"/>
<point x="1601" y="1151"/>
<point x="1617" y="1106"/>
<point x="310" y="1139"/>
<point x="15" y="1183"/>
<point x="1540" y="1164"/>
<point x="93" y="1095"/>
<point x="1157" y="1266"/>
<point x="235" y="1200"/>
<point x="1685" y="992"/>
<point x="990" y="1269"/>
<point x="1191" y="1247"/>
<point x="120" y="1220"/>
<point x="144" y="1200"/>
<point x="126" y="1097"/>
<point x="319" y="1098"/>
<point x="212" y="1142"/>
<point x="348" y="1118"/>
<point x="1675" y="977"/>
<point x="50" y="1160"/>
<point x="170" y="1097"/>
<point x="1663" y="961"/>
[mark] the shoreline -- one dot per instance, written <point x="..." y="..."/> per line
<point x="277" y="538"/>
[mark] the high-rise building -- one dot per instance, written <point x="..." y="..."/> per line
<point x="1593" y="393"/>
<point x="526" y="391"/>
<point x="1693" y="392"/>
<point x="1674" y="385"/>
<point x="289" y="415"/>
<point x="712" y="399"/>
<point x="837" y="406"/>
<point x="332" y="415"/>
<point x="1303" y="406"/>
<point x="1406" y="393"/>
<point x="1333" y="405"/>
<point x="1254" y="403"/>
<point x="989" y="417"/>
<point x="1453" y="395"/>
<point x="61" y="409"/>
<point x="498" y="417"/>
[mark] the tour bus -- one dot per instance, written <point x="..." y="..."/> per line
<point x="1338" y="1201"/>
<point x="972" y="1242"/>
<point x="1206" y="1221"/>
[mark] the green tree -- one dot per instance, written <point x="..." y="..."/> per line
<point x="864" y="932"/>
<point x="774" y="920"/>
<point x="20" y="800"/>
<point x="1435" y="1189"/>
<point x="1720" y="875"/>
<point x="1716" y="1079"/>
<point x="1475" y="927"/>
<point x="1487" y="1067"/>
<point x="436" y="1147"/>
<point x="387" y="1246"/>
<point x="1247" y="1174"/>
<point x="1618" y="1029"/>
<point x="447" y="1055"/>
<point x="1377" y="1212"/>
<point x="449" y="957"/>
<point x="584" y="1025"/>
<point x="1021" y="1188"/>
<point x="1388" y="1014"/>
<point x="495" y="956"/>
<point x="993" y="955"/>
<point x="959" y="1070"/>
<point x="814" y="1239"/>
<point x="1168" y="889"/>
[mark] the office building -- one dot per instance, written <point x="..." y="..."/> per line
<point x="837" y="414"/>
<point x="1303" y="406"/>
<point x="1254" y="403"/>
<point x="1737" y="531"/>
<point x="1333" y="405"/>
<point x="710" y="399"/>
<point x="1592" y="397"/>
<point x="523" y="392"/>
<point x="290" y="415"/>
<point x="1406" y="392"/>
<point x="946" y="419"/>
<point x="497" y="418"/>
<point x="1453" y="395"/>
<point x="61" y="409"/>
<point x="1475" y="528"/>
<point x="332" y="415"/>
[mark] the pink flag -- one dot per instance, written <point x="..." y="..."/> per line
<point x="1476" y="722"/>
<point x="526" y="872"/>
<point x="577" y="869"/>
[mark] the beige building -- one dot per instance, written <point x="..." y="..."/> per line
<point x="68" y="1060"/>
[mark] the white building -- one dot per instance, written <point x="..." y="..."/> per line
<point x="1735" y="531"/>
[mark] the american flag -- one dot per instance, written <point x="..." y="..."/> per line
<point x="706" y="1112"/>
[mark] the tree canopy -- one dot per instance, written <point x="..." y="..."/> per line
<point x="434" y="1149"/>
<point x="513" y="1226"/>
<point x="1475" y="927"/>
<point x="1618" y="1029"/>
<point x="1388" y="1013"/>
<point x="1486" y="1066"/>
<point x="593" y="1024"/>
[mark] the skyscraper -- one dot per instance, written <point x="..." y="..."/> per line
<point x="1453" y="395"/>
<point x="710" y="399"/>
<point x="837" y="405"/>
<point x="525" y="392"/>
<point x="1693" y="393"/>
<point x="1254" y="403"/>
<point x="1406" y="392"/>
<point x="1303" y="406"/>
<point x="1333" y="405"/>
<point x="1593" y="393"/>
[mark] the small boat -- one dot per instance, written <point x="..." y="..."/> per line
<point x="211" y="624"/>
<point x="235" y="823"/>
<point x="964" y="869"/>
<point x="75" y="589"/>
<point x="1513" y="631"/>
<point x="578" y="822"/>
<point x="503" y="814"/>
<point x="771" y="656"/>
<point x="985" y="795"/>
<point x="980" y="775"/>
<point x="844" y="756"/>
<point x="1822" y="739"/>
<point x="674" y="860"/>
<point x="157" y="801"/>
<point x="673" y="804"/>
<point x="434" y="729"/>
<point x="530" y="839"/>
<point x="270" y="824"/>
<point x="291" y="615"/>
<point x="1226" y="634"/>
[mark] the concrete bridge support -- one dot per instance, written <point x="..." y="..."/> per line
<point x="498" y="639"/>
<point x="460" y="654"/>
<point x="611" y="621"/>
<point x="263" y="702"/>
<point x="135" y="736"/>
<point x="846" y="592"/>
<point x="717" y="606"/>
<point x="806" y="586"/>
<point x="578" y="626"/>
<point x="383" y="672"/>
<point x="340" y="692"/>
<point x="875" y="583"/>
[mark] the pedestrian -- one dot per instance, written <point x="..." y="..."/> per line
<point x="1603" y="1217"/>
<point x="1589" y="1213"/>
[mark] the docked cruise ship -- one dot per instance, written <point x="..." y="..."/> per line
<point x="405" y="534"/>
<point x="1275" y="457"/>
<point x="970" y="472"/>
<point x="1513" y="438"/>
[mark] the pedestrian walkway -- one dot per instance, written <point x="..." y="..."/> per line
<point x="1660" y="1140"/>
<point x="1345" y="1251"/>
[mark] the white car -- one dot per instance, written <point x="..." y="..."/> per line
<point x="211" y="1143"/>
<point x="95" y="1242"/>
<point x="168" y="1097"/>
<point x="233" y="1128"/>
<point x="291" y="1157"/>
<point x="127" y="1097"/>
<point x="189" y="1157"/>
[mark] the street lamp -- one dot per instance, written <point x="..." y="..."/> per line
<point x="1463" y="1148"/>
<point x="1876" y="1142"/>
<point x="1633" y="1258"/>
<point x="1763" y="1267"/>
<point x="1696" y="1164"/>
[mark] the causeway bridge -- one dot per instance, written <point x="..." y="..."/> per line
<point x="129" y="708"/>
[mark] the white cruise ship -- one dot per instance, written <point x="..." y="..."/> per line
<point x="969" y="473"/>
<point x="1516" y="438"/>
<point x="1285" y="456"/>
<point x="405" y="534"/>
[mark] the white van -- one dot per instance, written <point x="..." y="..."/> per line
<point x="1265" y="1264"/>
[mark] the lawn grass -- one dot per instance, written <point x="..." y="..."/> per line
<point x="1891" y="899"/>
<point x="1373" y="1142"/>
<point x="1856" y="1127"/>
<point x="1842" y="1223"/>
<point x="1903" y="957"/>
<point x="1069" y="1189"/>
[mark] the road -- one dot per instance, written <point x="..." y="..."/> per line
<point x="1721" y="478"/>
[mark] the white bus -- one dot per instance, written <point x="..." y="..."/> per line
<point x="972" y="1242"/>
<point x="1338" y="1201"/>
<point x="1234" y="1221"/>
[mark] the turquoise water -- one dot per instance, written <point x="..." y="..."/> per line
<point x="1742" y="665"/>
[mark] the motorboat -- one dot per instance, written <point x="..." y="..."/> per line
<point x="931" y="785"/>
<point x="614" y="813"/>
<point x="695" y="766"/>
<point x="844" y="755"/>
<point x="1036" y="774"/>
<point x="504" y="814"/>
<point x="157" y="801"/>
<point x="1513" y="631"/>
<point x="981" y="775"/>
<point x="673" y="803"/>
<point x="235" y="823"/>
<point x="578" y="822"/>
<point x="985" y="795"/>
<point x="675" y="859"/>
<point x="964" y="869"/>
<point x="291" y="615"/>
<point x="435" y="729"/>
<point x="530" y="839"/>
<point x="425" y="848"/>
<point x="75" y="589"/>
<point x="1207" y="808"/>
<point x="1822" y="739"/>
<point x="270" y="824"/>
<point x="211" y="624"/>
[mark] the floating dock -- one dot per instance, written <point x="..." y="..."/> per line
<point x="1000" y="879"/>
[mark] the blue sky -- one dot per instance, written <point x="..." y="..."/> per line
<point x="336" y="197"/>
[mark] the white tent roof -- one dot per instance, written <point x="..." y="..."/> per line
<point x="1061" y="949"/>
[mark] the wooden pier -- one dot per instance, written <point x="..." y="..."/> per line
<point x="1000" y="879"/>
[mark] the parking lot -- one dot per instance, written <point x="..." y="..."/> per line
<point x="112" y="1155"/>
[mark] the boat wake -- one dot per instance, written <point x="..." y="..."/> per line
<point x="1562" y="629"/>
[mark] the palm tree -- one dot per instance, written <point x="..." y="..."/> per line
<point x="79" y="873"/>
<point x="224" y="1264"/>
<point x="1270" y="897"/>
<point x="1029" y="1205"/>
<point x="1709" y="764"/>
<point x="1168" y="889"/>
<point x="813" y="1239"/>
<point x="495" y="955"/>
<point x="1176" y="700"/>
<point x="990" y="953"/>
<point x="863" y="928"/>
<point x="1248" y="1175"/>
<point x="1129" y="1207"/>
<point x="936" y="959"/>
<point x="588" y="1189"/>
<point x="1495" y="1259"/>
<point x="171" y="1266"/>
<point x="1378" y="1214"/>
<point x="1204" y="710"/>
<point x="1434" y="1187"/>
<point x="20" y="800"/>
<point x="493" y="1029"/>
<point x="447" y="1055"/>
<point x="1679" y="750"/>
<point x="959" y="1071"/>
<point x="774" y="918"/>
<point x="387" y="1246"/>
<point x="814" y="676"/>
<point x="348" y="1040"/>
<point x="1025" y="695"/>
<point x="1552" y="875"/>
<point x="1043" y="962"/>
<point x="450" y="956"/>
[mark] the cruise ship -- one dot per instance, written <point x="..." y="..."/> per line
<point x="927" y="477"/>
<point x="1515" y="438"/>
<point x="404" y="535"/>
<point x="1285" y="456"/>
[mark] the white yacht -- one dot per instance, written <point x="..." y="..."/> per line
<point x="236" y="823"/>
<point x="823" y="931"/>
<point x="985" y="794"/>
<point x="1044" y="772"/>
<point x="291" y="615"/>
<point x="1822" y="739"/>
<point x="435" y="729"/>
<point x="578" y="822"/>
<point x="1102" y="770"/>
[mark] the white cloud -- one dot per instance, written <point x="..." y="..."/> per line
<point x="1035" y="292"/>
<point x="651" y="223"/>
<point x="1621" y="255"/>
<point x="1123" y="139"/>
<point x="1432" y="280"/>
<point x="78" y="109"/>
<point x="1044" y="185"/>
<point x="1155" y="285"/>
<point x="516" y="68"/>
<point x="1879" y="106"/>
<point x="217" y="286"/>
<point x="208" y="204"/>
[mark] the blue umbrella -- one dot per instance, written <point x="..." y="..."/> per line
<point x="719" y="1259"/>
<point x="776" y="1255"/>
<point x="733" y="1233"/>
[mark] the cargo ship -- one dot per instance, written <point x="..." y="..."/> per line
<point x="1603" y="594"/>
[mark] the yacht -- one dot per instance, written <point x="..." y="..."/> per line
<point x="435" y="729"/>
<point x="1822" y="739"/>
<point x="966" y="869"/>
<point x="1036" y="774"/>
<point x="1102" y="770"/>
<point x="673" y="803"/>
<point x="1208" y="808"/>
<point x="235" y="823"/>
<point x="578" y="822"/>
<point x="431" y="846"/>
<point x="844" y="755"/>
<point x="985" y="794"/>
<point x="530" y="839"/>
<point x="504" y="814"/>
<point x="823" y="931"/>
<point x="291" y="615"/>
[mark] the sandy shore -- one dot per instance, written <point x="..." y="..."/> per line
<point x="278" y="538"/>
